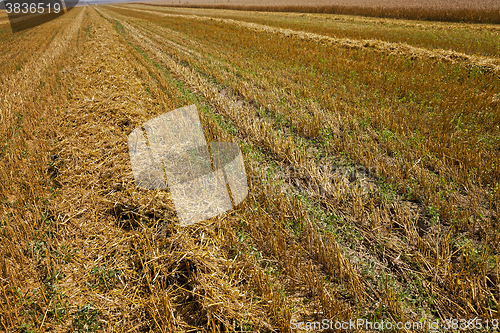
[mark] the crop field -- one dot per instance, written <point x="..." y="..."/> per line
<point x="372" y="154"/>
<point x="482" y="11"/>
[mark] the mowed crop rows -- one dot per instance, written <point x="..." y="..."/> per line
<point x="372" y="163"/>
<point x="477" y="11"/>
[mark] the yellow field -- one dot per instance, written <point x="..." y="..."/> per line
<point x="477" y="11"/>
<point x="372" y="149"/>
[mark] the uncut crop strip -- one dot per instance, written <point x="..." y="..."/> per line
<point x="333" y="17"/>
<point x="445" y="256"/>
<point x="148" y="42"/>
<point x="490" y="64"/>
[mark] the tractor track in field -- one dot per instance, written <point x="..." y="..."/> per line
<point x="401" y="49"/>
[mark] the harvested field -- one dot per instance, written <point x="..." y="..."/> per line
<point x="485" y="11"/>
<point x="457" y="4"/>
<point x="372" y="151"/>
